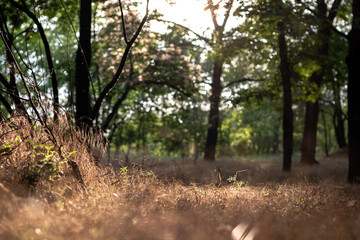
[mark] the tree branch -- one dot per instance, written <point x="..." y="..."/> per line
<point x="333" y="11"/>
<point x="206" y="40"/>
<point x="123" y="23"/>
<point x="153" y="82"/>
<point x="49" y="59"/>
<point x="6" y="104"/>
<point x="116" y="106"/>
<point x="11" y="94"/>
<point x="111" y="84"/>
<point x="212" y="9"/>
<point x="24" y="82"/>
<point x="4" y="81"/>
<point x="338" y="32"/>
<point x="227" y="14"/>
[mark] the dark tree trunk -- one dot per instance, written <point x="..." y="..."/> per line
<point x="12" y="88"/>
<point x="288" y="114"/>
<point x="308" y="144"/>
<point x="353" y="62"/>
<point x="326" y="145"/>
<point x="339" y="125"/>
<point x="10" y="85"/>
<point x="116" y="107"/>
<point x="216" y="89"/>
<point x="338" y="117"/>
<point x="6" y="104"/>
<point x="82" y="74"/>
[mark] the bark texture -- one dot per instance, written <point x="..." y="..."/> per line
<point x="288" y="115"/>
<point x="82" y="74"/>
<point x="353" y="62"/>
<point x="212" y="133"/>
<point x="308" y="144"/>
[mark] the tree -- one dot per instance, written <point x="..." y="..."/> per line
<point x="308" y="143"/>
<point x="288" y="127"/>
<point x="49" y="59"/>
<point x="86" y="117"/>
<point x="83" y="61"/>
<point x="353" y="62"/>
<point x="8" y="37"/>
<point x="224" y="45"/>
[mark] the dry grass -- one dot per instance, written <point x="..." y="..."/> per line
<point x="169" y="200"/>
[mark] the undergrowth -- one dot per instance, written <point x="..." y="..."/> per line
<point x="42" y="197"/>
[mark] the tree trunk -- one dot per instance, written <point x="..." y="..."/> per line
<point x="82" y="74"/>
<point x="326" y="145"/>
<point x="49" y="59"/>
<point x="11" y="86"/>
<point x="288" y="114"/>
<point x="353" y="62"/>
<point x="339" y="122"/>
<point x="216" y="89"/>
<point x="308" y="143"/>
<point x="338" y="117"/>
<point x="6" y="104"/>
<point x="13" y="90"/>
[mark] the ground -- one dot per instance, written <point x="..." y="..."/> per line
<point x="175" y="199"/>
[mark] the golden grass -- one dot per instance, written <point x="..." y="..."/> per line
<point x="135" y="203"/>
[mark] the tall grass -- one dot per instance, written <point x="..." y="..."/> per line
<point x="41" y="196"/>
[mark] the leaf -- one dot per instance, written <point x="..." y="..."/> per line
<point x="48" y="148"/>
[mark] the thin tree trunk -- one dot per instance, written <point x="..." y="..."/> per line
<point x="353" y="62"/>
<point x="116" y="107"/>
<point x="14" y="92"/>
<point x="326" y="145"/>
<point x="82" y="74"/>
<point x="96" y="109"/>
<point x="11" y="86"/>
<point x="288" y="127"/>
<point x="212" y="134"/>
<point x="49" y="59"/>
<point x="338" y="117"/>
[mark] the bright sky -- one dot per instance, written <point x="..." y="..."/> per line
<point x="186" y="12"/>
<point x="189" y="13"/>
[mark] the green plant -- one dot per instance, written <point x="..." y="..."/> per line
<point x="124" y="170"/>
<point x="44" y="161"/>
<point x="235" y="182"/>
<point x="9" y="147"/>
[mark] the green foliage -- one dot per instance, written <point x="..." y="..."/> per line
<point x="9" y="147"/>
<point x="235" y="182"/>
<point x="44" y="162"/>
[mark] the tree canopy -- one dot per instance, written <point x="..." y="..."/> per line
<point x="265" y="77"/>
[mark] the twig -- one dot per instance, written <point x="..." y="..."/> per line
<point x="123" y="23"/>
<point x="23" y="80"/>
<point x="206" y="40"/>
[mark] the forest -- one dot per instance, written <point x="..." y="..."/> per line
<point x="191" y="119"/>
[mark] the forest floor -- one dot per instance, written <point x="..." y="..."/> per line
<point x="175" y="199"/>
